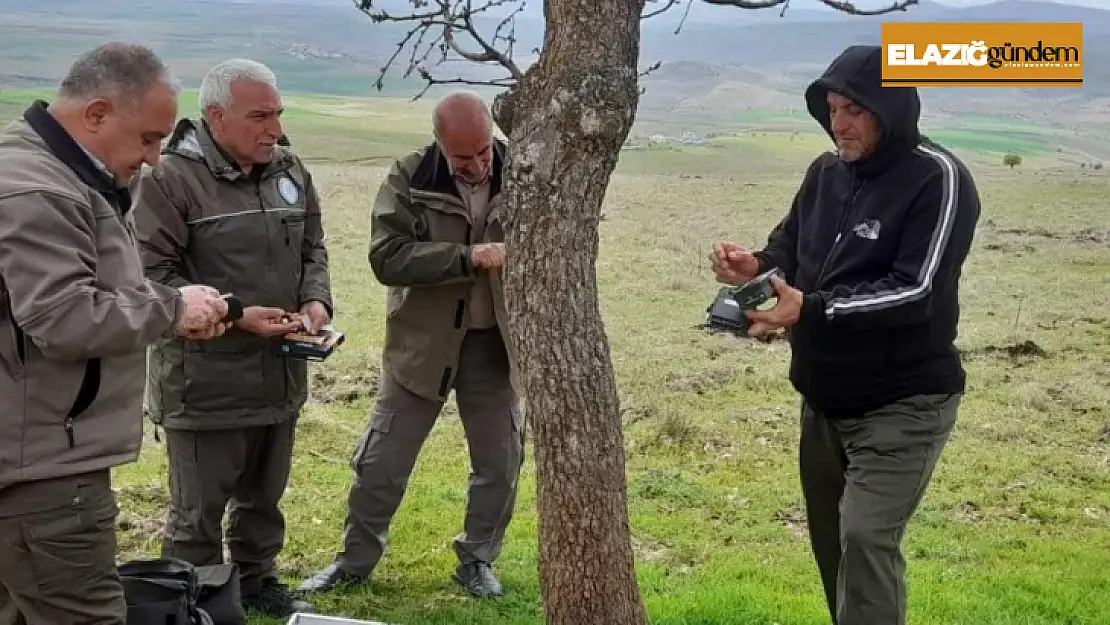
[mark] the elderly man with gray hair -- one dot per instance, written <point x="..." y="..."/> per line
<point x="76" y="317"/>
<point x="230" y="206"/>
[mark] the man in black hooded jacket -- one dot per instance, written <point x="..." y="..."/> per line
<point x="872" y="250"/>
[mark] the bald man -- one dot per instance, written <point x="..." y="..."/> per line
<point x="436" y="242"/>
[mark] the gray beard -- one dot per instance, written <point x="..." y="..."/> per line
<point x="847" y="157"/>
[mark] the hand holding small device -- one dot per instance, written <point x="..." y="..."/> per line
<point x="268" y="321"/>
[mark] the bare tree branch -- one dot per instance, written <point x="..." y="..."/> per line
<point x="448" y="27"/>
<point x="442" y="28"/>
<point x="432" y="81"/>
<point x="651" y="69"/>
<point x="666" y="7"/>
<point x="848" y="7"/>
<point x="844" y="6"/>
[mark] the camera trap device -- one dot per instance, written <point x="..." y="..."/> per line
<point x="726" y="312"/>
<point x="305" y="346"/>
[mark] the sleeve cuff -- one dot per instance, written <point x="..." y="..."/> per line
<point x="813" y="310"/>
<point x="178" y="313"/>
<point x="325" y="302"/>
<point x="761" y="258"/>
<point x="177" y="282"/>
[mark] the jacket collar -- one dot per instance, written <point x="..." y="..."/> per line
<point x="194" y="140"/>
<point x="75" y="156"/>
<point x="434" y="175"/>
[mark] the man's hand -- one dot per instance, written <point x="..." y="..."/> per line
<point x="317" y="315"/>
<point x="733" y="264"/>
<point x="210" y="332"/>
<point x="204" y="309"/>
<point x="488" y="255"/>
<point x="266" y="321"/>
<point x="785" y="313"/>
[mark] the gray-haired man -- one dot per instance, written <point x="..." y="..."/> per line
<point x="229" y="206"/>
<point x="76" y="316"/>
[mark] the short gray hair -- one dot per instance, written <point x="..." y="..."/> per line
<point x="215" y="87"/>
<point x="116" y="71"/>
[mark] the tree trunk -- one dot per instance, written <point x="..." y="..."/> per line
<point x="566" y="121"/>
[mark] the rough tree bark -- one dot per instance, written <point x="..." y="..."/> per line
<point x="566" y="121"/>
<point x="566" y="118"/>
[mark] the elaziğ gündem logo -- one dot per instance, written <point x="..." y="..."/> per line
<point x="983" y="54"/>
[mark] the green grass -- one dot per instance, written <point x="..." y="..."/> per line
<point x="1014" y="529"/>
<point x="1003" y="141"/>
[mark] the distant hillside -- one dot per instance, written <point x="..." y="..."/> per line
<point x="723" y="67"/>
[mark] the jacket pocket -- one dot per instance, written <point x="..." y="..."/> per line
<point x="75" y="544"/>
<point x="295" y="390"/>
<point x="13" y="346"/>
<point x="83" y="401"/>
<point x="227" y="373"/>
<point x="293" y="226"/>
<point x="55" y="390"/>
<point x="846" y="363"/>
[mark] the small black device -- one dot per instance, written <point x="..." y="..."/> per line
<point x="726" y="312"/>
<point x="305" y="346"/>
<point x="234" y="308"/>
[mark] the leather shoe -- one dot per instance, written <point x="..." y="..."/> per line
<point x="478" y="579"/>
<point x="329" y="578"/>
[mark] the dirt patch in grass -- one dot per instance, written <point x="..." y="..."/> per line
<point x="1018" y="353"/>
<point x="1098" y="236"/>
<point x="701" y="382"/>
<point x="794" y="519"/>
<point x="330" y="386"/>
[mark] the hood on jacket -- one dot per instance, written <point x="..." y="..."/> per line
<point x="857" y="73"/>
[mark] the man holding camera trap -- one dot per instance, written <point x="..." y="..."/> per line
<point x="870" y="256"/>
<point x="230" y="206"/>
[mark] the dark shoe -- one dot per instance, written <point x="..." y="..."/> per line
<point x="329" y="578"/>
<point x="478" y="579"/>
<point x="272" y="598"/>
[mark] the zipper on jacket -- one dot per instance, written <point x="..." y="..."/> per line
<point x="262" y="206"/>
<point x="459" y="313"/>
<point x="445" y="382"/>
<point x="853" y="193"/>
<point x="86" y="395"/>
<point x="17" y="332"/>
<point x="269" y="257"/>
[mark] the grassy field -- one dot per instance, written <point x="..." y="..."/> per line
<point x="1013" y="531"/>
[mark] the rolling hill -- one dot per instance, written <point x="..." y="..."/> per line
<point x="725" y="68"/>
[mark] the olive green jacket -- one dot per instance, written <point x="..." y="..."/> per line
<point x="419" y="248"/>
<point x="260" y="237"/>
